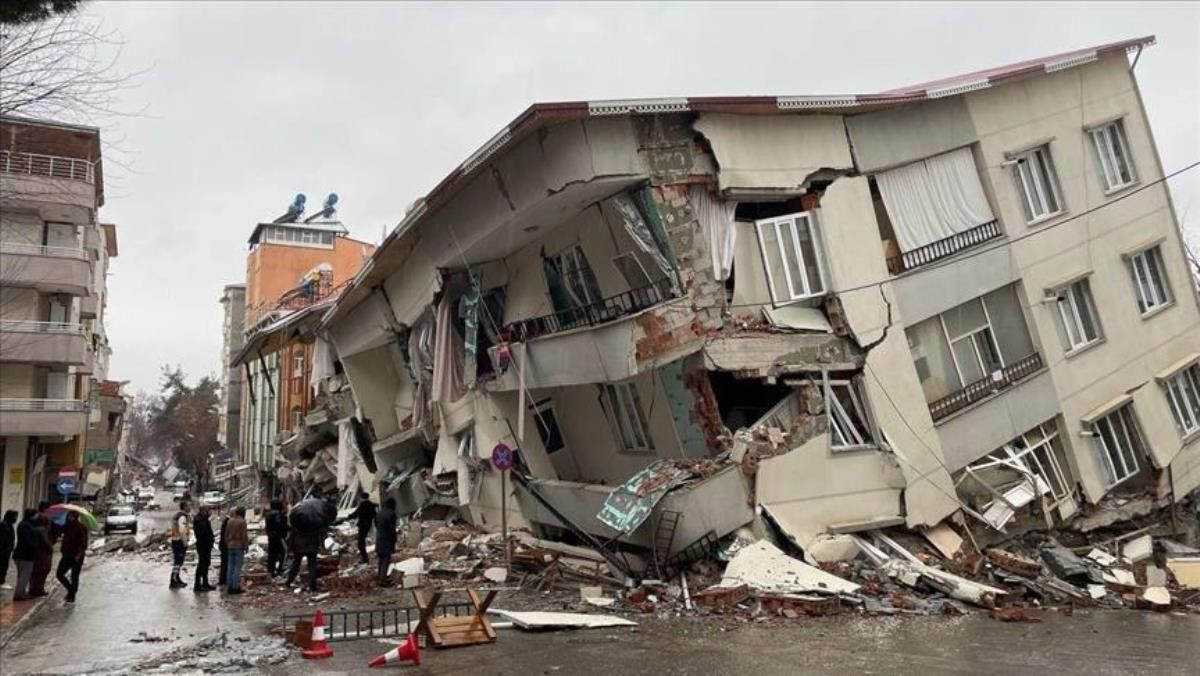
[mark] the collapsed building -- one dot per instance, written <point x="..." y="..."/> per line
<point x="818" y="315"/>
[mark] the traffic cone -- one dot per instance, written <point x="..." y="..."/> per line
<point x="402" y="653"/>
<point x="319" y="649"/>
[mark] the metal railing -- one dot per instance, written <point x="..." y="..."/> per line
<point x="352" y="625"/>
<point x="985" y="387"/>
<point x="22" y="249"/>
<point x="29" y="326"/>
<point x="605" y="310"/>
<point x="943" y="247"/>
<point x="55" y="405"/>
<point x="54" y="166"/>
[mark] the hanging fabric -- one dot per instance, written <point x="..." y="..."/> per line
<point x="469" y="312"/>
<point x="447" y="356"/>
<point x="345" y="445"/>
<point x="322" y="367"/>
<point x="420" y="362"/>
<point x="716" y="221"/>
<point x="934" y="198"/>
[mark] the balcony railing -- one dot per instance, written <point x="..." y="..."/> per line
<point x="33" y="164"/>
<point x="943" y="247"/>
<point x="22" y="249"/>
<point x="23" y="326"/>
<point x="55" y="405"/>
<point x="985" y="387"/>
<point x="591" y="314"/>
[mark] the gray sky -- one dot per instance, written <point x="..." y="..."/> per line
<point x="247" y="104"/>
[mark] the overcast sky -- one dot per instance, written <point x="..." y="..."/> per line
<point x="247" y="104"/>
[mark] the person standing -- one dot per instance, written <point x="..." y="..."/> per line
<point x="181" y="526"/>
<point x="25" y="554"/>
<point x="277" y="530"/>
<point x="8" y="541"/>
<point x="237" y="539"/>
<point x="223" y="552"/>
<point x="44" y="552"/>
<point x="364" y="513"/>
<point x="385" y="539"/>
<point x="202" y="528"/>
<point x="74" y="547"/>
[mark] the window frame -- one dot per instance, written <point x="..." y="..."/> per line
<point x="985" y="330"/>
<point x="842" y="425"/>
<point x="539" y="409"/>
<point x="1039" y="439"/>
<point x="579" y="258"/>
<point x="1187" y="420"/>
<point x="1148" y="258"/>
<point x="619" y="400"/>
<point x="1035" y="175"/>
<point x="1106" y="152"/>
<point x="1130" y="433"/>
<point x="629" y="255"/>
<point x="787" y="224"/>
<point x="1070" y="316"/>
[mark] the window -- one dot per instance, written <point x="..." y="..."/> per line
<point x="578" y="278"/>
<point x="297" y="418"/>
<point x="973" y="345"/>
<point x="624" y="411"/>
<point x="1037" y="184"/>
<point x="1035" y="454"/>
<point x="792" y="257"/>
<point x="631" y="269"/>
<point x="1078" y="314"/>
<point x="850" y="424"/>
<point x="1116" y="166"/>
<point x="1149" y="280"/>
<point x="1119" y="443"/>
<point x="298" y="364"/>
<point x="547" y="425"/>
<point x="1183" y="395"/>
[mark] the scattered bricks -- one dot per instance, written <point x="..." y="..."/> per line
<point x="1014" y="563"/>
<point x="636" y="596"/>
<point x="902" y="601"/>
<point x="811" y="605"/>
<point x="721" y="598"/>
<point x="1013" y="615"/>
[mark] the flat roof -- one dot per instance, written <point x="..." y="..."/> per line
<point x="335" y="227"/>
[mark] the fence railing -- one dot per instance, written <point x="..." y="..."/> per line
<point x="351" y="625"/>
<point x="943" y="247"/>
<point x="985" y="387"/>
<point x="605" y="310"/>
<point x="56" y="405"/>
<point x="33" y="164"/>
<point x="26" y="326"/>
<point x="22" y="249"/>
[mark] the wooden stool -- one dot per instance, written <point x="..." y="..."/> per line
<point x="453" y="631"/>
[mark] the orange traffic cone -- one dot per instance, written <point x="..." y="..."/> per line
<point x="402" y="653"/>
<point x="319" y="649"/>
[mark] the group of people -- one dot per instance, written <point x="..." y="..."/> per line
<point x="30" y="544"/>
<point x="232" y="543"/>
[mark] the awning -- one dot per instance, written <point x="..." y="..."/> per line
<point x="1106" y="408"/>
<point x="1178" y="366"/>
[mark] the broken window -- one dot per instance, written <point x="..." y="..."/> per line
<point x="578" y="280"/>
<point x="547" y="425"/>
<point x="631" y="269"/>
<point x="850" y="423"/>
<point x="1116" y="166"/>
<point x="792" y="256"/>
<point x="743" y="401"/>
<point x="624" y="410"/>
<point x="1021" y="471"/>
<point x="1149" y="280"/>
<point x="1077" y="312"/>
<point x="1037" y="184"/>
<point x="1119" y="443"/>
<point x="1183" y="395"/>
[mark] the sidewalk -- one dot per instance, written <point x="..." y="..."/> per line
<point x="14" y="615"/>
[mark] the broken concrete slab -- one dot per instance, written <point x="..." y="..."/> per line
<point x="1186" y="570"/>
<point x="1157" y="597"/>
<point x="944" y="539"/>
<point x="1066" y="564"/>
<point x="1121" y="577"/>
<point x="1155" y="576"/>
<point x="1137" y="549"/>
<point x="912" y="572"/>
<point x="1014" y="563"/>
<point x="542" y="621"/>
<point x="832" y="548"/>
<point x="497" y="574"/>
<point x="1172" y="548"/>
<point x="1102" y="557"/>
<point x="764" y="567"/>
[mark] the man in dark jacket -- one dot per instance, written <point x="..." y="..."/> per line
<point x="277" y="530"/>
<point x="364" y="513"/>
<point x="44" y="552"/>
<point x="223" y="552"/>
<point x="202" y="529"/>
<point x="74" y="547"/>
<point x="304" y="545"/>
<point x="385" y="539"/>
<point x="25" y="553"/>
<point x="8" y="541"/>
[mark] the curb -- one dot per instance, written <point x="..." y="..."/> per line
<point x="11" y="632"/>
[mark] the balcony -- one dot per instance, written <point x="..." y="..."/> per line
<point x="985" y="387"/>
<point x="89" y="306"/>
<point x="33" y="164"/>
<point x="943" y="248"/>
<point x="29" y="342"/>
<point x="43" y="417"/>
<point x="50" y="269"/>
<point x="593" y="314"/>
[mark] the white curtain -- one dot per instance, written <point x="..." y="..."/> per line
<point x="322" y="367"/>
<point x="345" y="452"/>
<point x="934" y="198"/>
<point x="716" y="220"/>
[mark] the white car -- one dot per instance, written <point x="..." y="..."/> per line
<point x="212" y="498"/>
<point x="121" y="517"/>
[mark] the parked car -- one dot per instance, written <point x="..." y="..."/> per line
<point x="153" y="506"/>
<point x="212" y="498"/>
<point x="121" y="517"/>
<point x="177" y="494"/>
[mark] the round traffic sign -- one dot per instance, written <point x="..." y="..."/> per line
<point x="66" y="486"/>
<point x="502" y="457"/>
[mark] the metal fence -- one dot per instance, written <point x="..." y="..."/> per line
<point x="353" y="625"/>
<point x="33" y="164"/>
<point x="57" y="405"/>
<point x="29" y="326"/>
<point x="22" y="249"/>
<point x="943" y="247"/>
<point x="986" y="387"/>
<point x="605" y="310"/>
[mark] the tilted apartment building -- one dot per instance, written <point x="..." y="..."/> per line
<point x="54" y="258"/>
<point x="839" y="312"/>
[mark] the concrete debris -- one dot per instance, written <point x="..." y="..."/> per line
<point x="1157" y="596"/>
<point x="1102" y="557"/>
<point x="763" y="567"/>
<point x="496" y="574"/>
<point x="538" y="621"/>
<point x="1137" y="549"/>
<point x="944" y="539"/>
<point x="1186" y="570"/>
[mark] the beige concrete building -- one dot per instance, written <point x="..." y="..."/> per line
<point x="830" y="313"/>
<point x="229" y="425"/>
<point x="54" y="258"/>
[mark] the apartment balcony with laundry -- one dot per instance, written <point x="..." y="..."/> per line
<point x="932" y="209"/>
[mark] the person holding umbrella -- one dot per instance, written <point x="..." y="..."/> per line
<point x="74" y="547"/>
